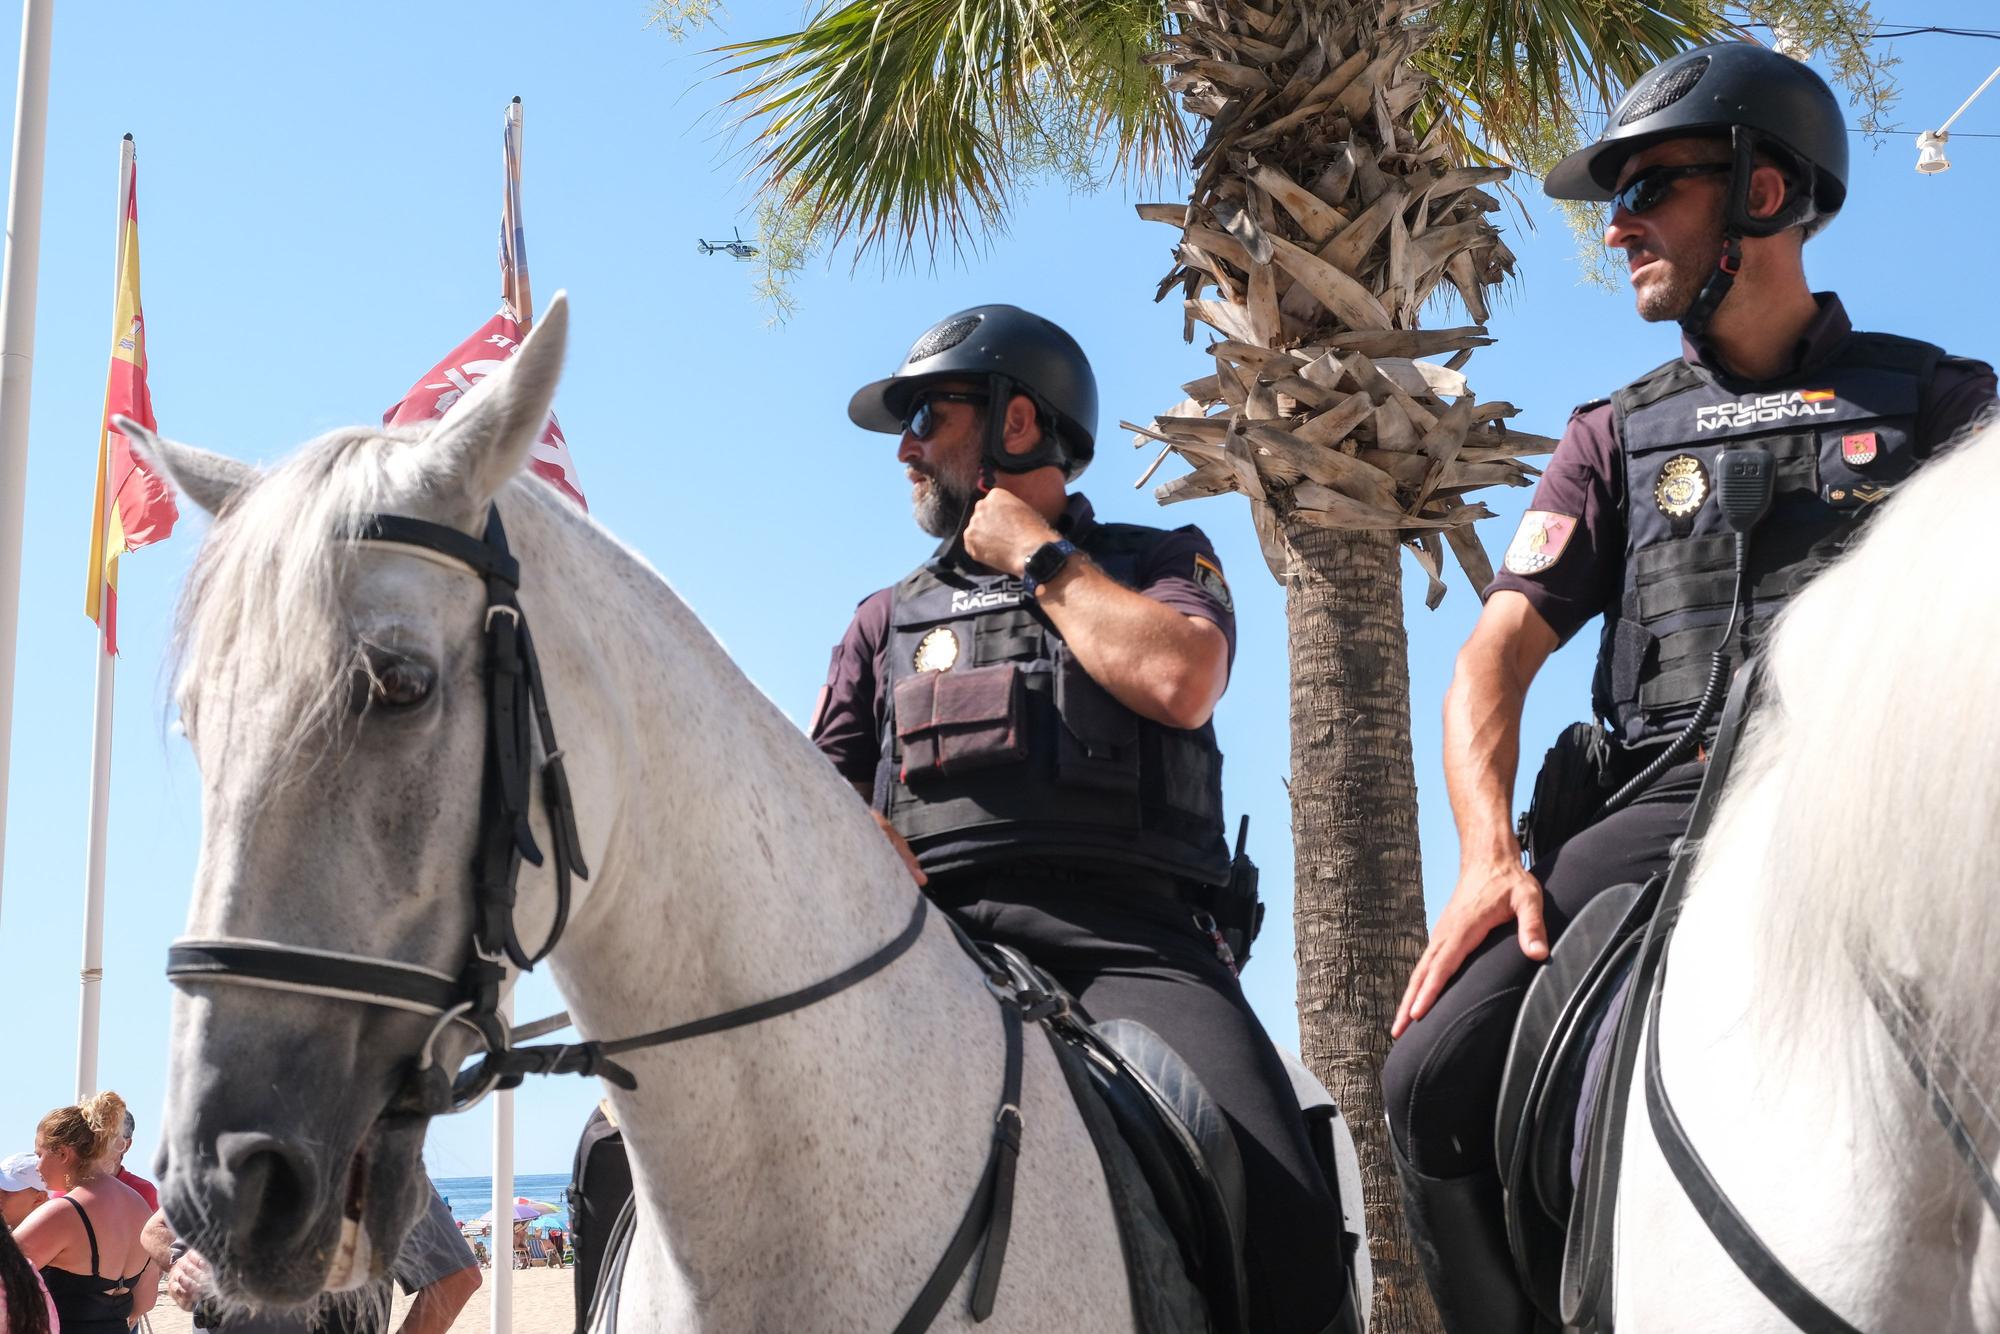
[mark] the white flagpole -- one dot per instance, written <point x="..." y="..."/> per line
<point x="17" y="344"/>
<point x="502" y="1320"/>
<point x="503" y="1102"/>
<point x="100" y="747"/>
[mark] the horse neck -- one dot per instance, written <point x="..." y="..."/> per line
<point x="1786" y="1078"/>
<point x="731" y="865"/>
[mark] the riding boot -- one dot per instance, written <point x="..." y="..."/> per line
<point x="1462" y="1244"/>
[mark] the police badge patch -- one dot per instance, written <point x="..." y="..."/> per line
<point x="1682" y="487"/>
<point x="1858" y="449"/>
<point x="1539" y="541"/>
<point x="937" y="651"/>
<point x="1208" y="577"/>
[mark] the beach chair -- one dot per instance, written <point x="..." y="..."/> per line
<point x="537" y="1252"/>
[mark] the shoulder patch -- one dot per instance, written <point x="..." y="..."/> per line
<point x="1208" y="576"/>
<point x="1539" y="541"/>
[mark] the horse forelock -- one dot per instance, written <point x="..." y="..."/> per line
<point x="1869" y="776"/>
<point x="264" y="602"/>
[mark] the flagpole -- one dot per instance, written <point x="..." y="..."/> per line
<point x="87" y="1022"/>
<point x="17" y="345"/>
<point x="502" y="1320"/>
<point x="503" y="1102"/>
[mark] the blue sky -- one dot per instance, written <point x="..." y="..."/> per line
<point x="319" y="191"/>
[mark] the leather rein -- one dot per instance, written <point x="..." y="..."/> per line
<point x="1896" y="1002"/>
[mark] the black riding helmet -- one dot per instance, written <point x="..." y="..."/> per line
<point x="1015" y="352"/>
<point x="1755" y="100"/>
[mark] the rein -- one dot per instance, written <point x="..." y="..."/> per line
<point x="1896" y="1003"/>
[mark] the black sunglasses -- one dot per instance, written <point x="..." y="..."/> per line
<point x="1644" y="192"/>
<point x="921" y="420"/>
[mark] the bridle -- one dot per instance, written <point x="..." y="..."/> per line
<point x="514" y="694"/>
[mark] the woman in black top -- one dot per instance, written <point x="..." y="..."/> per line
<point x="86" y="1241"/>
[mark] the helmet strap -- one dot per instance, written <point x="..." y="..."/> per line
<point x="1049" y="452"/>
<point x="1702" y="309"/>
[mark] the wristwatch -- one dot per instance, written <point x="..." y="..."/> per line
<point x="1050" y="559"/>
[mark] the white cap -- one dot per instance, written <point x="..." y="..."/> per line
<point x="21" y="1171"/>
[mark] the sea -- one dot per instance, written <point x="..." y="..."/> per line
<point x="470" y="1197"/>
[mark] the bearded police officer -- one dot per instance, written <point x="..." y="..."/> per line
<point x="1718" y="165"/>
<point x="1028" y="714"/>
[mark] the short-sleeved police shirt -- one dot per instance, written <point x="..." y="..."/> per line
<point x="1181" y="571"/>
<point x="1579" y="504"/>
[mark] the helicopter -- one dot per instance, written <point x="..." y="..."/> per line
<point x="739" y="248"/>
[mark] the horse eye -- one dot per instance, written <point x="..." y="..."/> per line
<point x="391" y="683"/>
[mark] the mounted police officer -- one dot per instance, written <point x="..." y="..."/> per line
<point x="1718" y="164"/>
<point x="1028" y="714"/>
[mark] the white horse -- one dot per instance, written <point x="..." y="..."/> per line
<point x="804" y="1173"/>
<point x="1858" y="835"/>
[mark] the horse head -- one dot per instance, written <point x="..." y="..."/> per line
<point x="332" y="688"/>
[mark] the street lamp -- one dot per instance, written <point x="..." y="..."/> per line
<point x="1930" y="152"/>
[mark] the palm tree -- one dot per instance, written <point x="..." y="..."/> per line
<point x="1341" y="154"/>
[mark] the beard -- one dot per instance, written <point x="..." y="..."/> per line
<point x="1686" y="274"/>
<point x="941" y="501"/>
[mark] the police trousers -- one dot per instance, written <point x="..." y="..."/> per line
<point x="1441" y="1083"/>
<point x="1138" y="955"/>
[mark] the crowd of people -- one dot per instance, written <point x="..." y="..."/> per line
<point x="87" y="1249"/>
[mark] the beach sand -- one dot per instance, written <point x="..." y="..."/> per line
<point x="544" y="1303"/>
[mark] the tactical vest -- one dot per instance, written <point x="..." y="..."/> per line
<point x="1841" y="435"/>
<point x="997" y="745"/>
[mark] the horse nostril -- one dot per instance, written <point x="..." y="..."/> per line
<point x="274" y="1187"/>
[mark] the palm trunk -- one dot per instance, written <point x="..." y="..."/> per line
<point x="1319" y="228"/>
<point x="1358" y="904"/>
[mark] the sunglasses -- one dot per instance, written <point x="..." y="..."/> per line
<point x="921" y="421"/>
<point x="1644" y="192"/>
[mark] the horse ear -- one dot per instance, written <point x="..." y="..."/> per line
<point x="484" y="439"/>
<point x="209" y="480"/>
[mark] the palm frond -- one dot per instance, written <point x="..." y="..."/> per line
<point x="1511" y="75"/>
<point x="894" y="121"/>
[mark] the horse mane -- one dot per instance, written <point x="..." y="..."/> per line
<point x="1869" y="774"/>
<point x="267" y="581"/>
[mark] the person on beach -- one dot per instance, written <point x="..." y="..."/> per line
<point x="1028" y="715"/>
<point x="25" y="1305"/>
<point x="435" y="1263"/>
<point x="86" y="1243"/>
<point x="146" y="1189"/>
<point x="1717" y="167"/>
<point x="22" y="1189"/>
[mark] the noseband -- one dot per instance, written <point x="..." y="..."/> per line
<point x="513" y="686"/>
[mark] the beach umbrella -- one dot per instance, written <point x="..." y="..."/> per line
<point x="525" y="1208"/>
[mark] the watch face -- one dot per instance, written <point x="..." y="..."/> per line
<point x="1046" y="562"/>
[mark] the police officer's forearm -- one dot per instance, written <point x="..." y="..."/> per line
<point x="1158" y="662"/>
<point x="1482" y="725"/>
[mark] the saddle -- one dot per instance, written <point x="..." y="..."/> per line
<point x="1170" y="1159"/>
<point x="1553" y="1084"/>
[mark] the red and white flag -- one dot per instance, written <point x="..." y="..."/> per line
<point x="498" y="339"/>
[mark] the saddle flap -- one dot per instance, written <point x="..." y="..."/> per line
<point x="1185" y="1149"/>
<point x="1535" y="1127"/>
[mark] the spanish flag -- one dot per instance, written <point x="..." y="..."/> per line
<point x="132" y="507"/>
